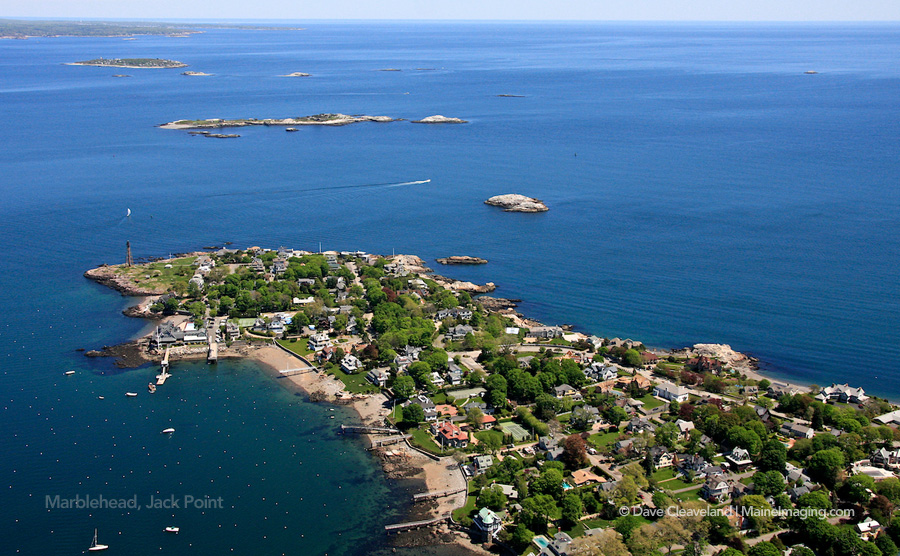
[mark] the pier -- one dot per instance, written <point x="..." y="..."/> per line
<point x="212" y="356"/>
<point x="398" y="527"/>
<point x="422" y="496"/>
<point x="367" y="430"/>
<point x="377" y="443"/>
<point x="164" y="373"/>
<point x="296" y="371"/>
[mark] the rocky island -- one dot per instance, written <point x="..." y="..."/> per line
<point x="195" y="73"/>
<point x="296" y="74"/>
<point x="456" y="259"/>
<point x="319" y="119"/>
<point x="438" y="119"/>
<point x="135" y="63"/>
<point x="517" y="203"/>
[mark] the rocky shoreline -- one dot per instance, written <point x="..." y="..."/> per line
<point x="106" y="276"/>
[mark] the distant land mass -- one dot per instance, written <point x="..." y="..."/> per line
<point x="131" y="63"/>
<point x="21" y="29"/>
<point x="318" y="119"/>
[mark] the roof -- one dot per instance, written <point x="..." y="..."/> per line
<point x="487" y="516"/>
<point x="584" y="476"/>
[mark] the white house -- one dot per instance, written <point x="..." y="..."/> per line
<point x="668" y="391"/>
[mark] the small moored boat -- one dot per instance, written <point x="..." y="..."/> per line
<point x="131" y="394"/>
<point x="169" y="430"/>
<point x="95" y="546"/>
<point x="172" y="529"/>
<point x="70" y="373"/>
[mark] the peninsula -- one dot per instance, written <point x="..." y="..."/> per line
<point x="318" y="119"/>
<point x="24" y="29"/>
<point x="517" y="203"/>
<point x="523" y="432"/>
<point x="134" y="63"/>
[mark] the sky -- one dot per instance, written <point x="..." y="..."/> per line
<point x="604" y="10"/>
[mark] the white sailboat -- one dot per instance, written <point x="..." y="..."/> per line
<point x="95" y="546"/>
<point x="127" y="213"/>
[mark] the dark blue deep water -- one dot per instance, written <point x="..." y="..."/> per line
<point x="718" y="194"/>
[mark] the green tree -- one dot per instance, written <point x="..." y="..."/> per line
<point x="768" y="483"/>
<point x="521" y="536"/>
<point x="764" y="548"/>
<point x="537" y="510"/>
<point x="492" y="497"/>
<point x="632" y="358"/>
<point x="404" y="387"/>
<point x="474" y="417"/>
<point x="549" y="482"/>
<point x="413" y="413"/>
<point x="572" y="508"/>
<point x="773" y="457"/>
<point x="825" y="466"/>
<point x="760" y="512"/>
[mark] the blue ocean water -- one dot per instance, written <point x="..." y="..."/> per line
<point x="702" y="189"/>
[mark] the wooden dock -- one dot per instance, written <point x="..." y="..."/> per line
<point x="368" y="430"/>
<point x="212" y="356"/>
<point x="296" y="371"/>
<point x="389" y="440"/>
<point x="398" y="527"/>
<point x="422" y="496"/>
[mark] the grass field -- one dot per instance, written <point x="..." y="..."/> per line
<point x="356" y="383"/>
<point x="422" y="438"/>
<point x="603" y="440"/>
<point x="298" y="347"/>
<point x="650" y="402"/>
<point x="664" y="474"/>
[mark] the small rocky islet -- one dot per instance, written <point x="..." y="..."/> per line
<point x="517" y="203"/>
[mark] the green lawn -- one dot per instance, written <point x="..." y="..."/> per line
<point x="422" y="438"/>
<point x="664" y="474"/>
<point x="459" y="513"/>
<point x="650" y="402"/>
<point x="602" y="440"/>
<point x="674" y="484"/>
<point x="298" y="347"/>
<point x="688" y="495"/>
<point x="355" y="383"/>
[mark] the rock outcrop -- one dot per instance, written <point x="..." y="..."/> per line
<point x="517" y="203"/>
<point x="456" y="259"/>
<point x="438" y="119"/>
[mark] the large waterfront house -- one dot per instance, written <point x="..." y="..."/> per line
<point x="545" y="332"/>
<point x="167" y="334"/>
<point x="318" y="342"/>
<point x="350" y="364"/>
<point x="671" y="392"/>
<point x="458" y="332"/>
<point x="715" y="489"/>
<point x="739" y="459"/>
<point x="449" y="435"/>
<point x="796" y="430"/>
<point x="489" y="522"/>
<point x="843" y="393"/>
<point x="378" y="377"/>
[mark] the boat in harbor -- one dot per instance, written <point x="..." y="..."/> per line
<point x="100" y="398"/>
<point x="95" y="546"/>
<point x="70" y="373"/>
<point x="172" y="529"/>
<point x="169" y="430"/>
<point x="131" y="394"/>
<point x="151" y="388"/>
